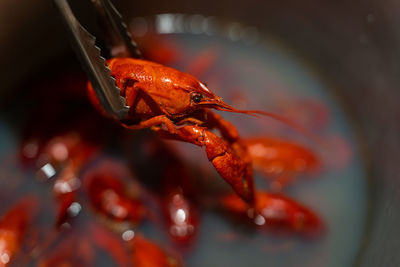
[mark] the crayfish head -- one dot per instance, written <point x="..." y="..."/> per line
<point x="198" y="96"/>
<point x="185" y="95"/>
<point x="204" y="98"/>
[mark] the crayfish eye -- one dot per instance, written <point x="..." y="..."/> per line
<point x="197" y="98"/>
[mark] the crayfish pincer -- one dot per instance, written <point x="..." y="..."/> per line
<point x="178" y="106"/>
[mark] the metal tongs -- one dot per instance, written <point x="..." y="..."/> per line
<point x="121" y="45"/>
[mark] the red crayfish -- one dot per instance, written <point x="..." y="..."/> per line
<point x="13" y="228"/>
<point x="280" y="160"/>
<point x="177" y="106"/>
<point x="275" y="212"/>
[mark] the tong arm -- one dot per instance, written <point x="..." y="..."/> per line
<point x="94" y="64"/>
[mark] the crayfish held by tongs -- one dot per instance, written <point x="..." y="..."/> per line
<point x="143" y="94"/>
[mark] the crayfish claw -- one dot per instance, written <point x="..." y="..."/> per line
<point x="237" y="173"/>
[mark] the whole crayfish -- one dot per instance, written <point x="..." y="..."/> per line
<point x="177" y="106"/>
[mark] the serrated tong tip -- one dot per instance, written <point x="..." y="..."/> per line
<point x="90" y="55"/>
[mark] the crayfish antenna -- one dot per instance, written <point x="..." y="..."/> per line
<point x="227" y="108"/>
<point x="299" y="128"/>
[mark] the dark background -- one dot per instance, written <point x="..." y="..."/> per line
<point x="355" y="44"/>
